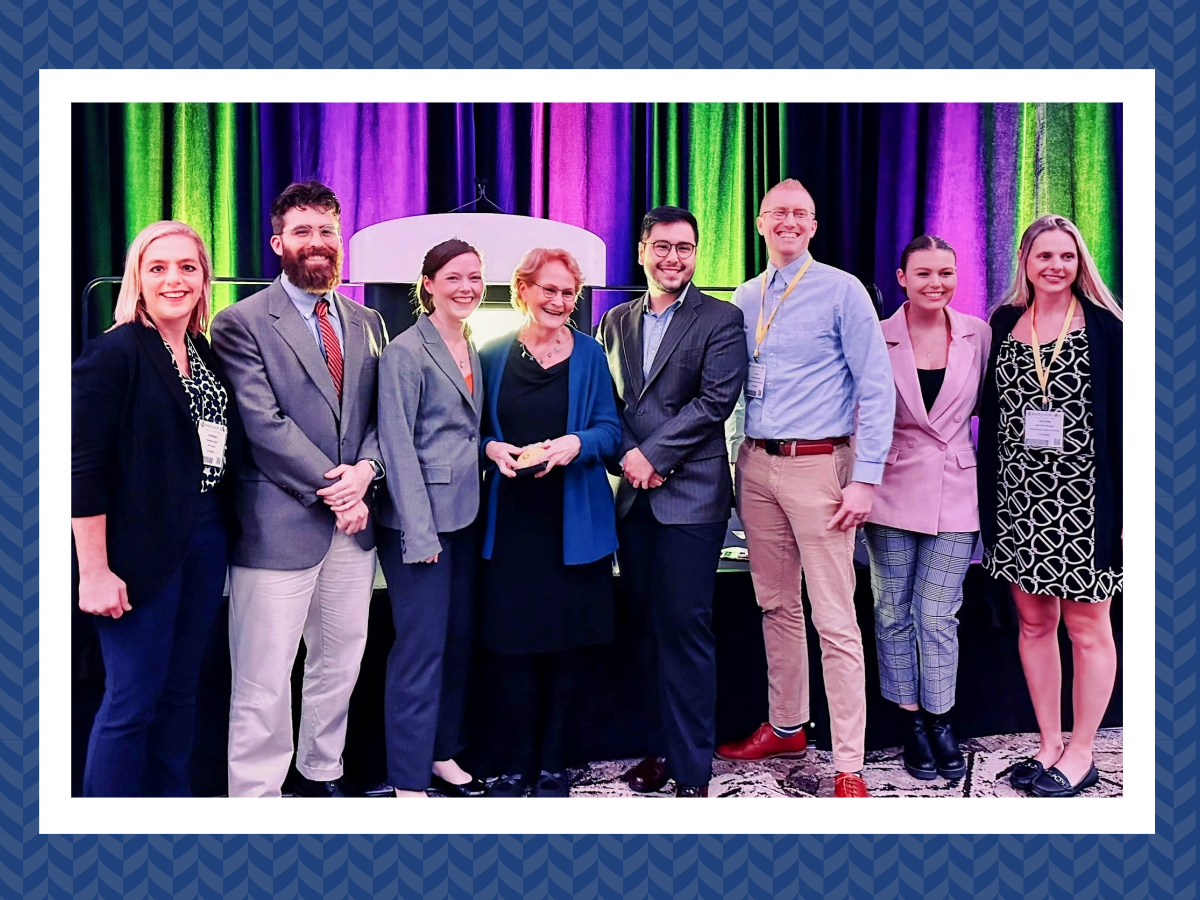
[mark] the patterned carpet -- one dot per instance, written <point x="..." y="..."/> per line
<point x="988" y="762"/>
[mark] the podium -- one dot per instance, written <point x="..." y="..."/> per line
<point x="386" y="258"/>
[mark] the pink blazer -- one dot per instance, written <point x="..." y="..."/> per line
<point x="929" y="480"/>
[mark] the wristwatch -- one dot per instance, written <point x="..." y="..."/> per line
<point x="378" y="467"/>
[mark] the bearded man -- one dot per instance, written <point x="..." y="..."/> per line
<point x="302" y="360"/>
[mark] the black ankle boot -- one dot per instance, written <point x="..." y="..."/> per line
<point x="950" y="762"/>
<point x="918" y="755"/>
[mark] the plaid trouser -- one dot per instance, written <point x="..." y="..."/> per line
<point x="917" y="580"/>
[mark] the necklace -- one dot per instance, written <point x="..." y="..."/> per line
<point x="554" y="350"/>
<point x="924" y="345"/>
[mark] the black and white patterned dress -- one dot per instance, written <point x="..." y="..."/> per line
<point x="1046" y="498"/>
<point x="207" y="399"/>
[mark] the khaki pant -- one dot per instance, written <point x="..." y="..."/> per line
<point x="784" y="503"/>
<point x="269" y="611"/>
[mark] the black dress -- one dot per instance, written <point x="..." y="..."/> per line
<point x="532" y="602"/>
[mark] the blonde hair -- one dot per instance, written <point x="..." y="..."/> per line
<point x="790" y="184"/>
<point x="130" y="303"/>
<point x="534" y="260"/>
<point x="1088" y="283"/>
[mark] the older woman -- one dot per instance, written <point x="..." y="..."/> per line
<point x="154" y="431"/>
<point x="1050" y="487"/>
<point x="925" y="519"/>
<point x="430" y="396"/>
<point x="550" y="424"/>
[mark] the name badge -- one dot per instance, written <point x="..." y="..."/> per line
<point x="212" y="443"/>
<point x="1044" y="428"/>
<point x="756" y="380"/>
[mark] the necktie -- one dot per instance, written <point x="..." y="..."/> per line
<point x="333" y="350"/>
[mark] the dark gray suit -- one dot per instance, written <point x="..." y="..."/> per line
<point x="294" y="573"/>
<point x="671" y="536"/>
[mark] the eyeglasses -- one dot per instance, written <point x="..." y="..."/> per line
<point x="780" y="213"/>
<point x="568" y="294"/>
<point x="328" y="233"/>
<point x="662" y="249"/>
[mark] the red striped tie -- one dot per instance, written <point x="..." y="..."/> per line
<point x="333" y="350"/>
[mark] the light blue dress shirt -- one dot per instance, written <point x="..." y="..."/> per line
<point x="306" y="305"/>
<point x="654" y="327"/>
<point x="827" y="364"/>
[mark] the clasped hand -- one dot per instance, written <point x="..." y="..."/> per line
<point x="559" y="452"/>
<point x="639" y="471"/>
<point x="345" y="495"/>
<point x="857" y="499"/>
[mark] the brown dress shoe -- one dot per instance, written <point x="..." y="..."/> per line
<point x="648" y="776"/>
<point x="765" y="744"/>
<point x="691" y="790"/>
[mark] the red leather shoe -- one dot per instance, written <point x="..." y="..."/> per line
<point x="849" y="784"/>
<point x="765" y="744"/>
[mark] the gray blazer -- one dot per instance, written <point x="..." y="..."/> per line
<point x="296" y="430"/>
<point x="429" y="437"/>
<point x="676" y="415"/>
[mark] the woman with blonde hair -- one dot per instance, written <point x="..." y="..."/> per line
<point x="154" y="436"/>
<point x="1049" y="480"/>
<point x="549" y="540"/>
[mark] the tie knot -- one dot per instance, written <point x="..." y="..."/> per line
<point x="322" y="307"/>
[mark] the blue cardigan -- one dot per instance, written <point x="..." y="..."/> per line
<point x="589" y="519"/>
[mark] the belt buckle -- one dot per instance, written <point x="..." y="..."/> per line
<point x="773" y="448"/>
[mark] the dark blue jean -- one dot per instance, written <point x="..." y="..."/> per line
<point x="141" y="740"/>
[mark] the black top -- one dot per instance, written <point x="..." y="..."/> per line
<point x="931" y="384"/>
<point x="532" y="601"/>
<point x="135" y="453"/>
<point x="1106" y="352"/>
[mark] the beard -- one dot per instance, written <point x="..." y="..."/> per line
<point x="314" y="278"/>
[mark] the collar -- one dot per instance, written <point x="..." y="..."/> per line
<point x="789" y="271"/>
<point x="646" y="311"/>
<point x="305" y="302"/>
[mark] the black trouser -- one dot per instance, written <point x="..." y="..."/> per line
<point x="670" y="572"/>
<point x="425" y="692"/>
<point x="534" y="693"/>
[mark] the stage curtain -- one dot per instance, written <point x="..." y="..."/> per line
<point x="976" y="174"/>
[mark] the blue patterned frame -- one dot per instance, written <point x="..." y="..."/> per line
<point x="589" y="34"/>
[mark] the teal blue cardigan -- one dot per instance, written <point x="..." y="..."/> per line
<point x="589" y="519"/>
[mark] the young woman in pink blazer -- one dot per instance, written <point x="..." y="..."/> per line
<point x="925" y="519"/>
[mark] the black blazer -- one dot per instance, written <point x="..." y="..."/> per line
<point x="1105" y="348"/>
<point x="676" y="414"/>
<point x="135" y="454"/>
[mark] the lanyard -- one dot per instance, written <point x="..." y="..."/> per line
<point x="1043" y="374"/>
<point x="760" y="332"/>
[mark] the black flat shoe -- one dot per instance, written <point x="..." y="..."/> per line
<point x="1024" y="773"/>
<point x="473" y="788"/>
<point x="305" y="787"/>
<point x="509" y="786"/>
<point x="1053" y="783"/>
<point x="552" y="784"/>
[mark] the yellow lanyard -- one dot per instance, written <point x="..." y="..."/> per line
<point x="760" y="332"/>
<point x="1043" y="374"/>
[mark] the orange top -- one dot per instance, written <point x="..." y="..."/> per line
<point x="470" y="376"/>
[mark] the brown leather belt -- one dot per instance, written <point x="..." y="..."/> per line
<point x="798" y="448"/>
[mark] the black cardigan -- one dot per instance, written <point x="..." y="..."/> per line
<point x="1106" y="354"/>
<point x="135" y="454"/>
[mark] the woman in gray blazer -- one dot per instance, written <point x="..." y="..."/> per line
<point x="430" y="397"/>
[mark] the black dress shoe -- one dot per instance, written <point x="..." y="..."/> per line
<point x="473" y="788"/>
<point x="1053" y="783"/>
<point x="1024" y="773"/>
<point x="949" y="759"/>
<point x="552" y="784"/>
<point x="509" y="786"/>
<point x="306" y="787"/>
<point x="648" y="776"/>
<point x="918" y="755"/>
<point x="691" y="790"/>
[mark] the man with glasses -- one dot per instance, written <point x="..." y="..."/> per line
<point x="302" y="359"/>
<point x="678" y="360"/>
<point x="818" y="373"/>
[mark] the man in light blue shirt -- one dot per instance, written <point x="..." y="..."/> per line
<point x="819" y="376"/>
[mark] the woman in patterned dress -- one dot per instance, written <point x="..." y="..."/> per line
<point x="154" y="436"/>
<point x="1050" y="487"/>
